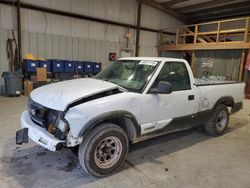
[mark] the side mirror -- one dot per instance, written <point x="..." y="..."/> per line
<point x="163" y="87"/>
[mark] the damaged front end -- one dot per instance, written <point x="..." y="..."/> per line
<point x="45" y="126"/>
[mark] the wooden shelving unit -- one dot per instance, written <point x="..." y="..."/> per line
<point x="223" y="34"/>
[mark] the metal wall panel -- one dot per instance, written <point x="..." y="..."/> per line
<point x="53" y="36"/>
<point x="172" y="54"/>
<point x="226" y="63"/>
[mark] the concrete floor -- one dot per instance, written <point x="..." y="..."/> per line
<point x="185" y="159"/>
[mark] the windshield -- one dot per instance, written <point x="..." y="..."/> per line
<point x="130" y="74"/>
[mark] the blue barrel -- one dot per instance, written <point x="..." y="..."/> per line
<point x="79" y="66"/>
<point x="30" y="65"/>
<point x="88" y="67"/>
<point x="57" y="65"/>
<point x="97" y="67"/>
<point x="69" y="66"/>
<point x="46" y="64"/>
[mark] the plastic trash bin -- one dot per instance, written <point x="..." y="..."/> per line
<point x="57" y="66"/>
<point x="88" y="67"/>
<point x="97" y="67"/>
<point x="69" y="66"/>
<point x="13" y="82"/>
<point x="79" y="66"/>
<point x="46" y="64"/>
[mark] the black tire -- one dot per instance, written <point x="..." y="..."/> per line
<point x="101" y="143"/>
<point x="217" y="125"/>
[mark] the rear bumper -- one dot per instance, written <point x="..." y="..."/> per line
<point x="236" y="108"/>
<point x="37" y="134"/>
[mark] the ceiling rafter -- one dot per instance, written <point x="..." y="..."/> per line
<point x="204" y="5"/>
<point x="225" y="15"/>
<point x="173" y="2"/>
<point x="221" y="9"/>
<point x="165" y="9"/>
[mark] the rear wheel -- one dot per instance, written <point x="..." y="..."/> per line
<point x="104" y="150"/>
<point x="218" y="121"/>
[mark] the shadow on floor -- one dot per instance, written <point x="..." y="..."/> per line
<point x="33" y="166"/>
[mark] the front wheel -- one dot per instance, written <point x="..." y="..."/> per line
<point x="218" y="121"/>
<point x="104" y="150"/>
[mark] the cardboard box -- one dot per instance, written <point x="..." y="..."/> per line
<point x="41" y="74"/>
<point x="28" y="87"/>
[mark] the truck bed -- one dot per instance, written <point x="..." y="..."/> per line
<point x="205" y="82"/>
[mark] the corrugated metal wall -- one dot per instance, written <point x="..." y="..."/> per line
<point x="226" y="62"/>
<point x="52" y="36"/>
<point x="172" y="54"/>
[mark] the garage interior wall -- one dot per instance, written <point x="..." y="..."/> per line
<point x="225" y="63"/>
<point x="57" y="37"/>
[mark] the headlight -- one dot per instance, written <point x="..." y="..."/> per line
<point x="55" y="118"/>
<point x="52" y="117"/>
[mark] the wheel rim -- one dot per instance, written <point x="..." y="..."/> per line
<point x="221" y="120"/>
<point x="108" y="152"/>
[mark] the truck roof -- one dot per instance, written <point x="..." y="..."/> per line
<point x="152" y="58"/>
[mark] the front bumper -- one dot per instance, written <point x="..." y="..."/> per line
<point x="37" y="134"/>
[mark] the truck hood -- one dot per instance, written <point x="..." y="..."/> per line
<point x="59" y="95"/>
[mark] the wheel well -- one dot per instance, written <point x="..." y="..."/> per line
<point x="228" y="101"/>
<point x="126" y="124"/>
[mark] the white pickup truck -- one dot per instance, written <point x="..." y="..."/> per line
<point x="133" y="99"/>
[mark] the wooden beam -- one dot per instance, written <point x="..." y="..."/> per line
<point x="218" y="33"/>
<point x="242" y="61"/>
<point x="193" y="62"/>
<point x="164" y="9"/>
<point x="246" y="30"/>
<point x="177" y="36"/>
<point x="207" y="46"/>
<point x="195" y="34"/>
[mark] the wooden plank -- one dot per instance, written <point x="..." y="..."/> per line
<point x="184" y="38"/>
<point x="201" y="40"/>
<point x="218" y="33"/>
<point x="208" y="46"/>
<point x="246" y="30"/>
<point x="177" y="35"/>
<point x="195" y="34"/>
<point x="193" y="62"/>
<point x="207" y="38"/>
<point x="243" y="54"/>
<point x="186" y="34"/>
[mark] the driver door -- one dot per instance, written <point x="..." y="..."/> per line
<point x="169" y="112"/>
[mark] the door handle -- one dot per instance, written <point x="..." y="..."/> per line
<point x="190" y="97"/>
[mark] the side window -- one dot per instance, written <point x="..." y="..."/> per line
<point x="175" y="73"/>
